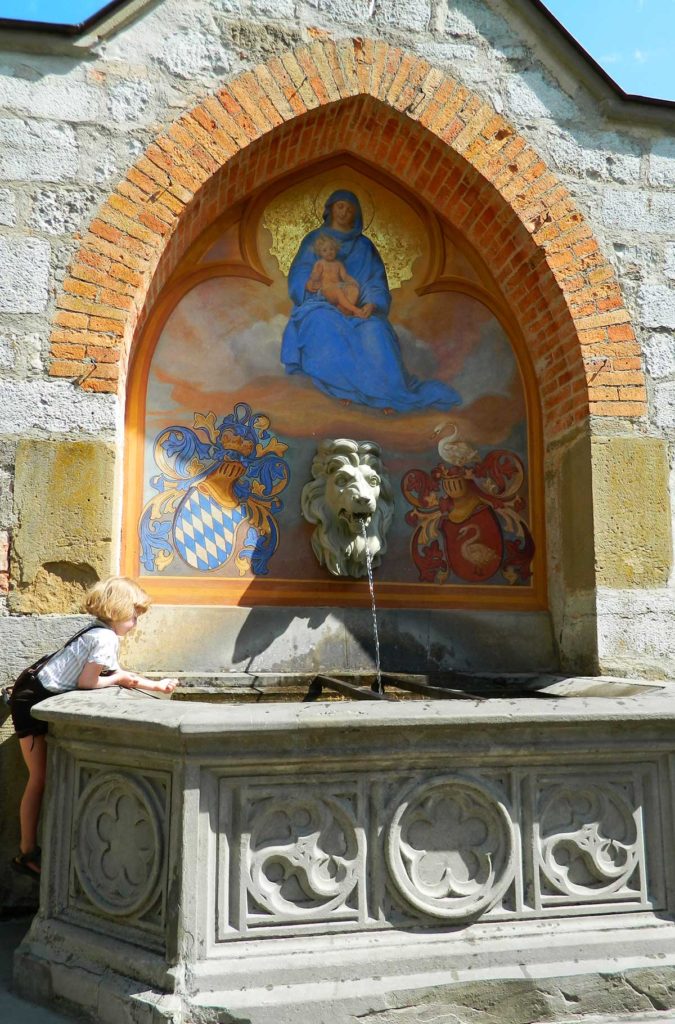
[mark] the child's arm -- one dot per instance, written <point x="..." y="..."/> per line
<point x="314" y="281"/>
<point x="91" y="679"/>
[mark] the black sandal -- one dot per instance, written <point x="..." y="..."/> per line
<point x="25" y="863"/>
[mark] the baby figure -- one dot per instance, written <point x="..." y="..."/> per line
<point x="330" y="277"/>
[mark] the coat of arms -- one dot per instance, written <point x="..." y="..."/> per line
<point x="468" y="515"/>
<point x="217" y="489"/>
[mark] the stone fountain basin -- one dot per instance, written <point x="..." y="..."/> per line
<point x="323" y="861"/>
<point x="293" y="687"/>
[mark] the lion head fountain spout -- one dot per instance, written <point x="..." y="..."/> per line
<point x="350" y="500"/>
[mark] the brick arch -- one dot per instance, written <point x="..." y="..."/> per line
<point x="416" y="123"/>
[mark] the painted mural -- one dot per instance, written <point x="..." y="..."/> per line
<point x="339" y="333"/>
<point x="334" y="310"/>
<point x="468" y="517"/>
<point x="217" y="492"/>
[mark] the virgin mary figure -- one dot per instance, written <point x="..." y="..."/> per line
<point x="355" y="358"/>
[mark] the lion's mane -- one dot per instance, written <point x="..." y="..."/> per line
<point x="334" y="544"/>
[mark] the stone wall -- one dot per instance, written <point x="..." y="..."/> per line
<point x="75" y="116"/>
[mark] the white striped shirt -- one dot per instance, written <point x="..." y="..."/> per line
<point x="99" y="646"/>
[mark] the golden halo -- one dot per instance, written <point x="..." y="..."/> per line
<point x="367" y="206"/>
<point x="397" y="235"/>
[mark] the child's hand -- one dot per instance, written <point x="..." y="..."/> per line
<point x="167" y="685"/>
<point x="158" y="685"/>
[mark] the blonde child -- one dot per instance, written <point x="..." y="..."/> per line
<point x="87" y="662"/>
<point x="330" y="277"/>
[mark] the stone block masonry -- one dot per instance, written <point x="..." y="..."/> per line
<point x="24" y="275"/>
<point x="633" y="539"/>
<point x="134" y="84"/>
<point x="100" y="159"/>
<point x="32" y="150"/>
<point x="104" y="95"/>
<point x="110" y="166"/>
<point x="4" y="561"/>
<point x="62" y="543"/>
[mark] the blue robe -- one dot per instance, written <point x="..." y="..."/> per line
<point x="345" y="356"/>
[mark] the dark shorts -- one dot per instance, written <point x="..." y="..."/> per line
<point x="28" y="691"/>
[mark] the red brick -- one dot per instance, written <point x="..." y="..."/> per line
<point x="98" y="323"/>
<point x="65" y="319"/>
<point x="617" y="408"/>
<point x="68" y="368"/>
<point x="80" y="288"/>
<point x="103" y="386"/>
<point x="105" y="371"/>
<point x="101" y="354"/>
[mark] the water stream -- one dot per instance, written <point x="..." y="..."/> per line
<point x="369" y="563"/>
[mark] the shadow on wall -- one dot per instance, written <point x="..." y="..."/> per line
<point x="17" y="893"/>
<point x="287" y="632"/>
<point x="333" y="639"/>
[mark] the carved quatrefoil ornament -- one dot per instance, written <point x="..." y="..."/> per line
<point x="118" y="843"/>
<point x="450" y="848"/>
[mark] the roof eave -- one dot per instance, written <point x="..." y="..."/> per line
<point x="614" y="102"/>
<point x="32" y="36"/>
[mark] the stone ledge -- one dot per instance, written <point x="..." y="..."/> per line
<point x="110" y="708"/>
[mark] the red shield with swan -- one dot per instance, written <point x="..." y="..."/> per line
<point x="475" y="547"/>
<point x="468" y="517"/>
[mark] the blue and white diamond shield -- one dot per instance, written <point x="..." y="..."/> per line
<point x="203" y="531"/>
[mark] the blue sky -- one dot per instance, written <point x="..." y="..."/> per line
<point x="633" y="40"/>
<point x="64" y="12"/>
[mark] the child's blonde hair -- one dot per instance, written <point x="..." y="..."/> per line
<point x="321" y="240"/>
<point x="116" y="599"/>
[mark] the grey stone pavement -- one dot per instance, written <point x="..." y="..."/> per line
<point x="12" y="1009"/>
